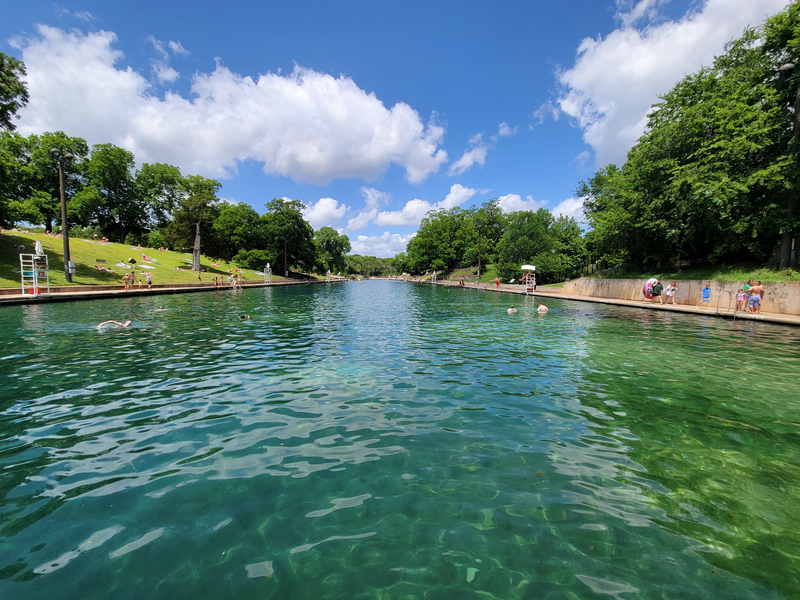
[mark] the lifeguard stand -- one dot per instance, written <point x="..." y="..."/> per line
<point x="35" y="272"/>
<point x="529" y="279"/>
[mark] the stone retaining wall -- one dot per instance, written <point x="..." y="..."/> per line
<point x="781" y="298"/>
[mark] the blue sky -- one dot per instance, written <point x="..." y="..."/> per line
<point x="371" y="113"/>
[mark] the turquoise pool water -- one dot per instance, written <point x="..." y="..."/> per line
<point x="391" y="440"/>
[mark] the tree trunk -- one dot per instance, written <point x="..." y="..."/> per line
<point x="196" y="250"/>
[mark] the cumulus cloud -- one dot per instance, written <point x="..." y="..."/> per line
<point x="476" y="153"/>
<point x="325" y="212"/>
<point x="514" y="202"/>
<point x="571" y="207"/>
<point x="373" y="199"/>
<point x="615" y="80"/>
<point x="382" y="246"/>
<point x="305" y="125"/>
<point x="414" y="210"/>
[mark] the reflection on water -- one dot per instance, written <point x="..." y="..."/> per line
<point x="384" y="439"/>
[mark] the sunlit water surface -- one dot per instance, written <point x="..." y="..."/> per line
<point x="391" y="440"/>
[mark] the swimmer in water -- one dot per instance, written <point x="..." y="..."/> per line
<point x="542" y="308"/>
<point x="117" y="323"/>
<point x="244" y="317"/>
<point x="159" y="309"/>
<point x="511" y="310"/>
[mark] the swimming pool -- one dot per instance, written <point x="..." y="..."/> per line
<point x="387" y="439"/>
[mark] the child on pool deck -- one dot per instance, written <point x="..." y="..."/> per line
<point x="706" y="299"/>
<point x="741" y="300"/>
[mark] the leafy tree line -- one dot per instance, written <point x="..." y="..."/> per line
<point x="715" y="175"/>
<point x="460" y="238"/>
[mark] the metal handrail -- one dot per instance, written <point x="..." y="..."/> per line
<point x="730" y="299"/>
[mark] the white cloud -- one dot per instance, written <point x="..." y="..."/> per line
<point x="83" y="15"/>
<point x="638" y="11"/>
<point x="373" y="199"/>
<point x="475" y="154"/>
<point x="547" y="110"/>
<point x="306" y="125"/>
<point x="414" y="210"/>
<point x="514" y="202"/>
<point x="158" y="45"/>
<point x="571" y="207"/>
<point x="504" y="130"/>
<point x="382" y="246"/>
<point x="614" y="81"/>
<point x="177" y="48"/>
<point x="582" y="158"/>
<point x="164" y="73"/>
<point x="325" y="212"/>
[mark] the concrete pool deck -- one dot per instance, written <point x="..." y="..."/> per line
<point x="544" y="292"/>
<point x="10" y="297"/>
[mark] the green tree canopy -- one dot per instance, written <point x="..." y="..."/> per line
<point x="13" y="92"/>
<point x="331" y="250"/>
<point x="289" y="237"/>
<point x="713" y="176"/>
<point x="193" y="223"/>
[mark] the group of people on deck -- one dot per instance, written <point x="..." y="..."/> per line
<point x="747" y="298"/>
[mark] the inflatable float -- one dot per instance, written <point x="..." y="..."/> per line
<point x="647" y="290"/>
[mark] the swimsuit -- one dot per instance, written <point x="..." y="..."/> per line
<point x="755" y="300"/>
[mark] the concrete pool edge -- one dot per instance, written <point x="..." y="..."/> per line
<point x="679" y="308"/>
<point x="77" y="294"/>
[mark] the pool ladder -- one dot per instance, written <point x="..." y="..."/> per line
<point x="730" y="299"/>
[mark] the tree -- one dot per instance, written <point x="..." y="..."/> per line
<point x="239" y="229"/>
<point x="193" y="223"/>
<point x="716" y="171"/>
<point x="527" y="235"/>
<point x="109" y="199"/>
<point x="569" y="245"/>
<point x="160" y="188"/>
<point x="440" y="241"/>
<point x="13" y="92"/>
<point x="29" y="175"/>
<point x="331" y="250"/>
<point x="289" y="238"/>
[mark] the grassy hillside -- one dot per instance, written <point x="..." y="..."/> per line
<point x="85" y="254"/>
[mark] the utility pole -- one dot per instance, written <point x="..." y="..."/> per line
<point x="478" y="226"/>
<point x="787" y="239"/>
<point x="64" y="225"/>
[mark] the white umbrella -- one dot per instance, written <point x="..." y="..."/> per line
<point x="39" y="250"/>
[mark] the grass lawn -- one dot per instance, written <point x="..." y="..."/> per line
<point x="85" y="254"/>
<point x="718" y="273"/>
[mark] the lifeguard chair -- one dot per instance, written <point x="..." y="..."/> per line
<point x="529" y="279"/>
